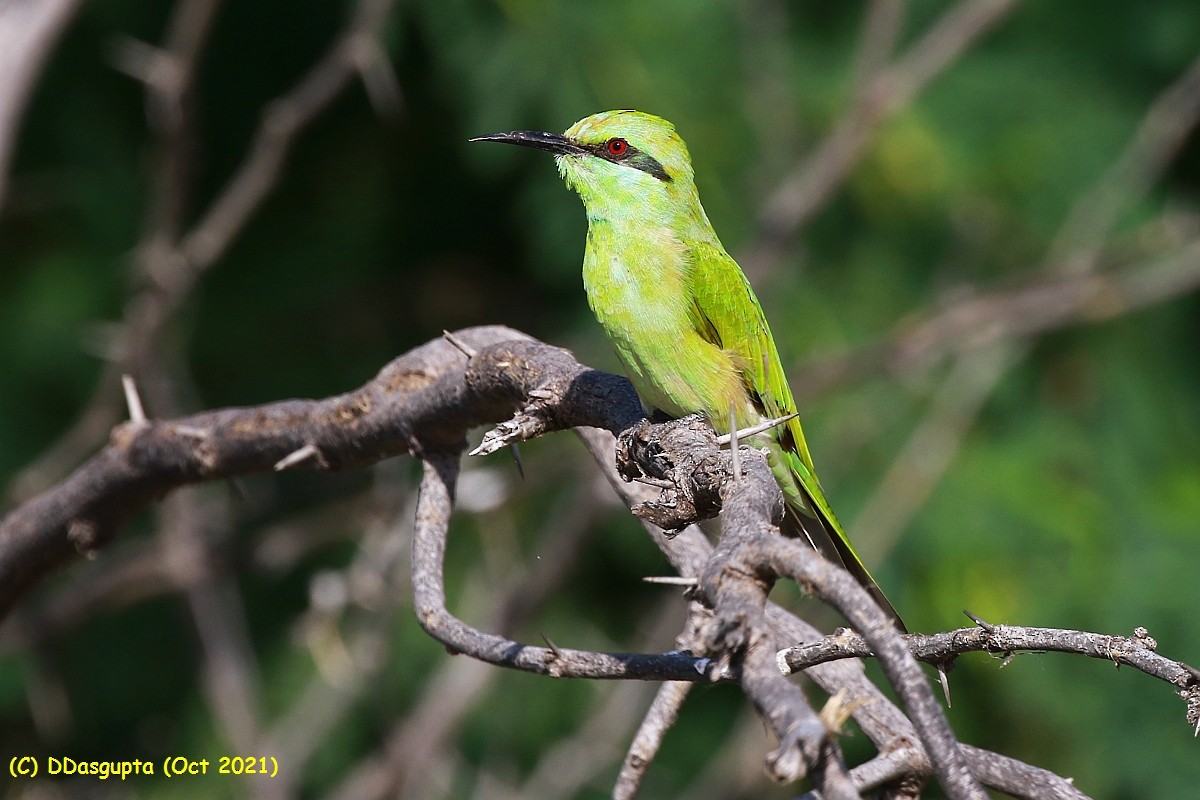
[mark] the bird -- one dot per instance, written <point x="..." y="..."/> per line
<point x="678" y="310"/>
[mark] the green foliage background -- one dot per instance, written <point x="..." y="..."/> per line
<point x="1074" y="499"/>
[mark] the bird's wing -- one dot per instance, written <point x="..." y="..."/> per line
<point x="727" y="314"/>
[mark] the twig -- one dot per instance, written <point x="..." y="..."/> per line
<point x="689" y="550"/>
<point x="576" y="760"/>
<point x="229" y="668"/>
<point x="1039" y="305"/>
<point x="143" y="461"/>
<point x="282" y="120"/>
<point x="424" y="402"/>
<point x="734" y="769"/>
<point x="931" y="447"/>
<point x="457" y="686"/>
<point x="747" y="549"/>
<point x="169" y="76"/>
<point x="429" y="543"/>
<point x="663" y="713"/>
<point x="942" y="648"/>
<point x="377" y="592"/>
<point x="28" y="32"/>
<point x="1018" y="779"/>
<point x="1164" y="129"/>
<point x="806" y="189"/>
<point x="881" y="29"/>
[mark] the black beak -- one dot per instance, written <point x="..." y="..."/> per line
<point x="554" y="143"/>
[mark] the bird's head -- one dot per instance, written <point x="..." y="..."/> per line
<point x="616" y="160"/>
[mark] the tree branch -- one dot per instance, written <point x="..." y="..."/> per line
<point x="436" y="500"/>
<point x="424" y="400"/>
<point x="1043" y="303"/>
<point x="174" y="260"/>
<point x="28" y="32"/>
<point x="901" y="759"/>
<point x="890" y="89"/>
<point x="661" y="716"/>
<point x="941" y="649"/>
<point x="423" y="403"/>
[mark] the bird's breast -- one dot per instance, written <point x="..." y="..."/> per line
<point x="638" y="289"/>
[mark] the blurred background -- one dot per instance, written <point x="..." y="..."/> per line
<point x="974" y="229"/>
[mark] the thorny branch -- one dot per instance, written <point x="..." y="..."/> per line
<point x="171" y="261"/>
<point x="893" y="733"/>
<point x="941" y="650"/>
<point x="149" y="458"/>
<point x="423" y="403"/>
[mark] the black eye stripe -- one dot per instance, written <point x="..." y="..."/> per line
<point x="632" y="157"/>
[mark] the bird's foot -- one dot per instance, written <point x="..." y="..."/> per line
<point x="677" y="457"/>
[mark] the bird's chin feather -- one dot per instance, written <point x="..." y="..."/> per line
<point x="611" y="190"/>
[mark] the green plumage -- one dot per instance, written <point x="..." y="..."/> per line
<point x="677" y="308"/>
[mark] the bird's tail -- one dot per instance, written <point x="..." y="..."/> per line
<point x="810" y="518"/>
<point x="832" y="543"/>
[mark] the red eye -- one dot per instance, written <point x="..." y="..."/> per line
<point x="617" y="147"/>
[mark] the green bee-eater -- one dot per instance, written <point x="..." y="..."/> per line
<point x="677" y="308"/>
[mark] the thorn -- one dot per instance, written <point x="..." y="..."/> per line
<point x="297" y="457"/>
<point x="496" y="438"/>
<point x="754" y="430"/>
<point x="516" y="454"/>
<point x="553" y="647"/>
<point x="137" y="414"/>
<point x="987" y="626"/>
<point x="1196" y="733"/>
<point x="944" y="679"/>
<point x="459" y="344"/>
<point x="670" y="580"/>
